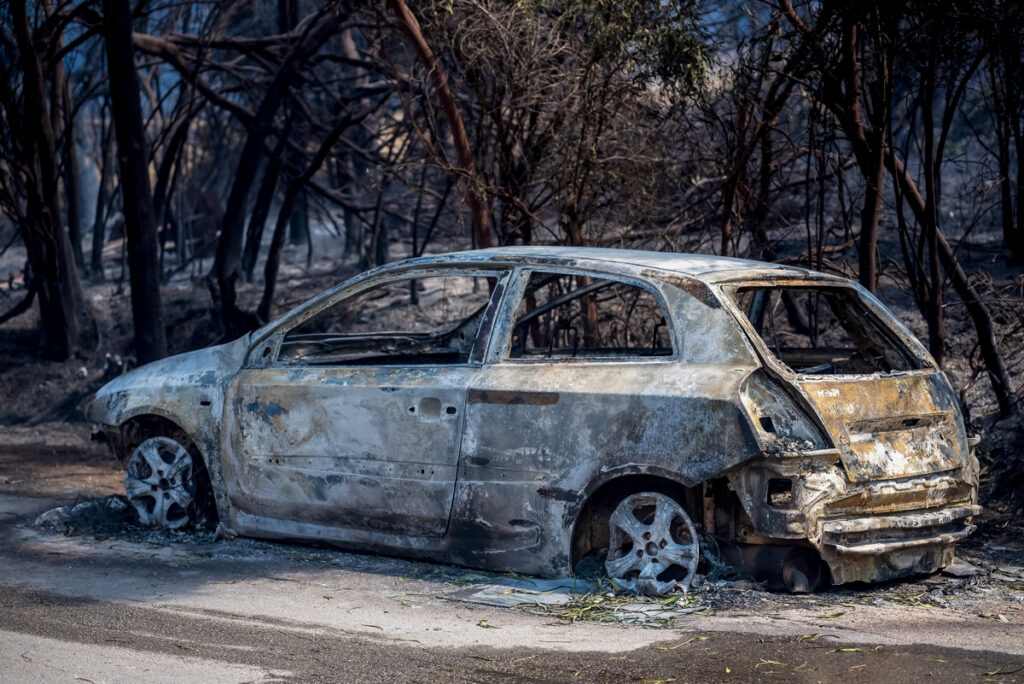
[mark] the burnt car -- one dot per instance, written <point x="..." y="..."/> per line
<point x="526" y="409"/>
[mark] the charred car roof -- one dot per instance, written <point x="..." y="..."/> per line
<point x="703" y="267"/>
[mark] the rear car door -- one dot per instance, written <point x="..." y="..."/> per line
<point x="584" y="370"/>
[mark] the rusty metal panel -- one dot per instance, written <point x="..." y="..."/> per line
<point x="347" y="446"/>
<point x="889" y="427"/>
<point x="608" y="414"/>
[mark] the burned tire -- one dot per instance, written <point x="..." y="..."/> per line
<point x="652" y="546"/>
<point x="167" y="485"/>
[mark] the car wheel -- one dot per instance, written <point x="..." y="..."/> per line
<point x="652" y="546"/>
<point x="161" y="483"/>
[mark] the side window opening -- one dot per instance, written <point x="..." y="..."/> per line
<point x="426" y="320"/>
<point x="823" y="331"/>
<point x="567" y="316"/>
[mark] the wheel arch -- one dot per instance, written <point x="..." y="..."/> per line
<point x="135" y="428"/>
<point x="590" y="519"/>
<point x="145" y="424"/>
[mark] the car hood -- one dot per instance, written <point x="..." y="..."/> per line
<point x="159" y="386"/>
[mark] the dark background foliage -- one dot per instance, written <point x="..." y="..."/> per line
<point x="165" y="167"/>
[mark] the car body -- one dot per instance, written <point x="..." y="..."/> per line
<point x="499" y="408"/>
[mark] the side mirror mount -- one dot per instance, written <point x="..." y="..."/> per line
<point x="263" y="354"/>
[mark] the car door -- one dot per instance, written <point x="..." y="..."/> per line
<point x="355" y="419"/>
<point x="582" y="373"/>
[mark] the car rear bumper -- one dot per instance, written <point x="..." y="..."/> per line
<point x="883" y="547"/>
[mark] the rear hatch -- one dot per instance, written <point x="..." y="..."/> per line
<point x="877" y="395"/>
<point x="889" y="427"/>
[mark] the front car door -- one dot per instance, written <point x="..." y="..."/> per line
<point x="351" y="415"/>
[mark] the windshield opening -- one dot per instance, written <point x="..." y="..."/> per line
<point x="823" y="331"/>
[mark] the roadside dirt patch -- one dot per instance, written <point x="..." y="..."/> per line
<point x="57" y="460"/>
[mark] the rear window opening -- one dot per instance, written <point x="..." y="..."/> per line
<point x="823" y="331"/>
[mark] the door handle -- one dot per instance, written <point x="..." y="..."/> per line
<point x="432" y="408"/>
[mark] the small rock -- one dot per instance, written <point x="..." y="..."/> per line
<point x="95" y="515"/>
<point x="223" y="532"/>
<point x="55" y="517"/>
<point x="961" y="568"/>
<point x="1009" y="573"/>
<point x="994" y="616"/>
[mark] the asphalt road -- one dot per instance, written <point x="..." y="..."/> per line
<point x="53" y="637"/>
<point x="118" y="607"/>
<point x="99" y="608"/>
